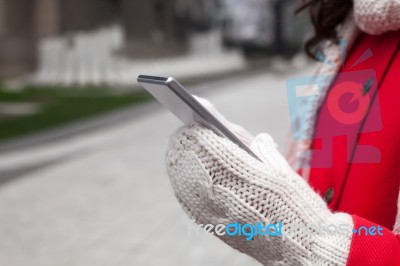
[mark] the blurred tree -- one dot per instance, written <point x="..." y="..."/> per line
<point x="18" y="42"/>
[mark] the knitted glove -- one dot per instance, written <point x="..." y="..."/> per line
<point x="216" y="182"/>
<point x="239" y="131"/>
<point x="377" y="16"/>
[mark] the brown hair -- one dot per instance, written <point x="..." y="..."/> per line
<point x="326" y="16"/>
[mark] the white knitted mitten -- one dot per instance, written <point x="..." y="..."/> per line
<point x="377" y="17"/>
<point x="216" y="182"/>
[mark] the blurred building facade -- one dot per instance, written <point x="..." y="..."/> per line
<point x="266" y="27"/>
<point x="18" y="42"/>
<point x="151" y="28"/>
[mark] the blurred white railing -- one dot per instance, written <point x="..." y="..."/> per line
<point x="91" y="59"/>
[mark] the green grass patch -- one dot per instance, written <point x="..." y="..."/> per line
<point x="61" y="105"/>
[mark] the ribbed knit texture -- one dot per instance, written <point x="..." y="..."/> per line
<point x="377" y="17"/>
<point x="216" y="182"/>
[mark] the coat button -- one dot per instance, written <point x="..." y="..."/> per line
<point x="328" y="196"/>
<point x="367" y="86"/>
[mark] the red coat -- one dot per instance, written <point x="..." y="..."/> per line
<point x="356" y="152"/>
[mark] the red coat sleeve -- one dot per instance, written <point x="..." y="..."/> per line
<point x="379" y="249"/>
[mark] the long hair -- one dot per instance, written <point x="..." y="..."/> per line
<point x="326" y="16"/>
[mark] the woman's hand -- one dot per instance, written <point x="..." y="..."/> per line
<point x="216" y="182"/>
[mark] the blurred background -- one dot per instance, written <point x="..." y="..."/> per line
<point x="82" y="146"/>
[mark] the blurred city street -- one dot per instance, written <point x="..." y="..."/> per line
<point x="103" y="197"/>
<point x="83" y="180"/>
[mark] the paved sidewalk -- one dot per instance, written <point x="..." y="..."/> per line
<point x="103" y="198"/>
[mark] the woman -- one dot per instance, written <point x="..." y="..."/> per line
<point x="342" y="189"/>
